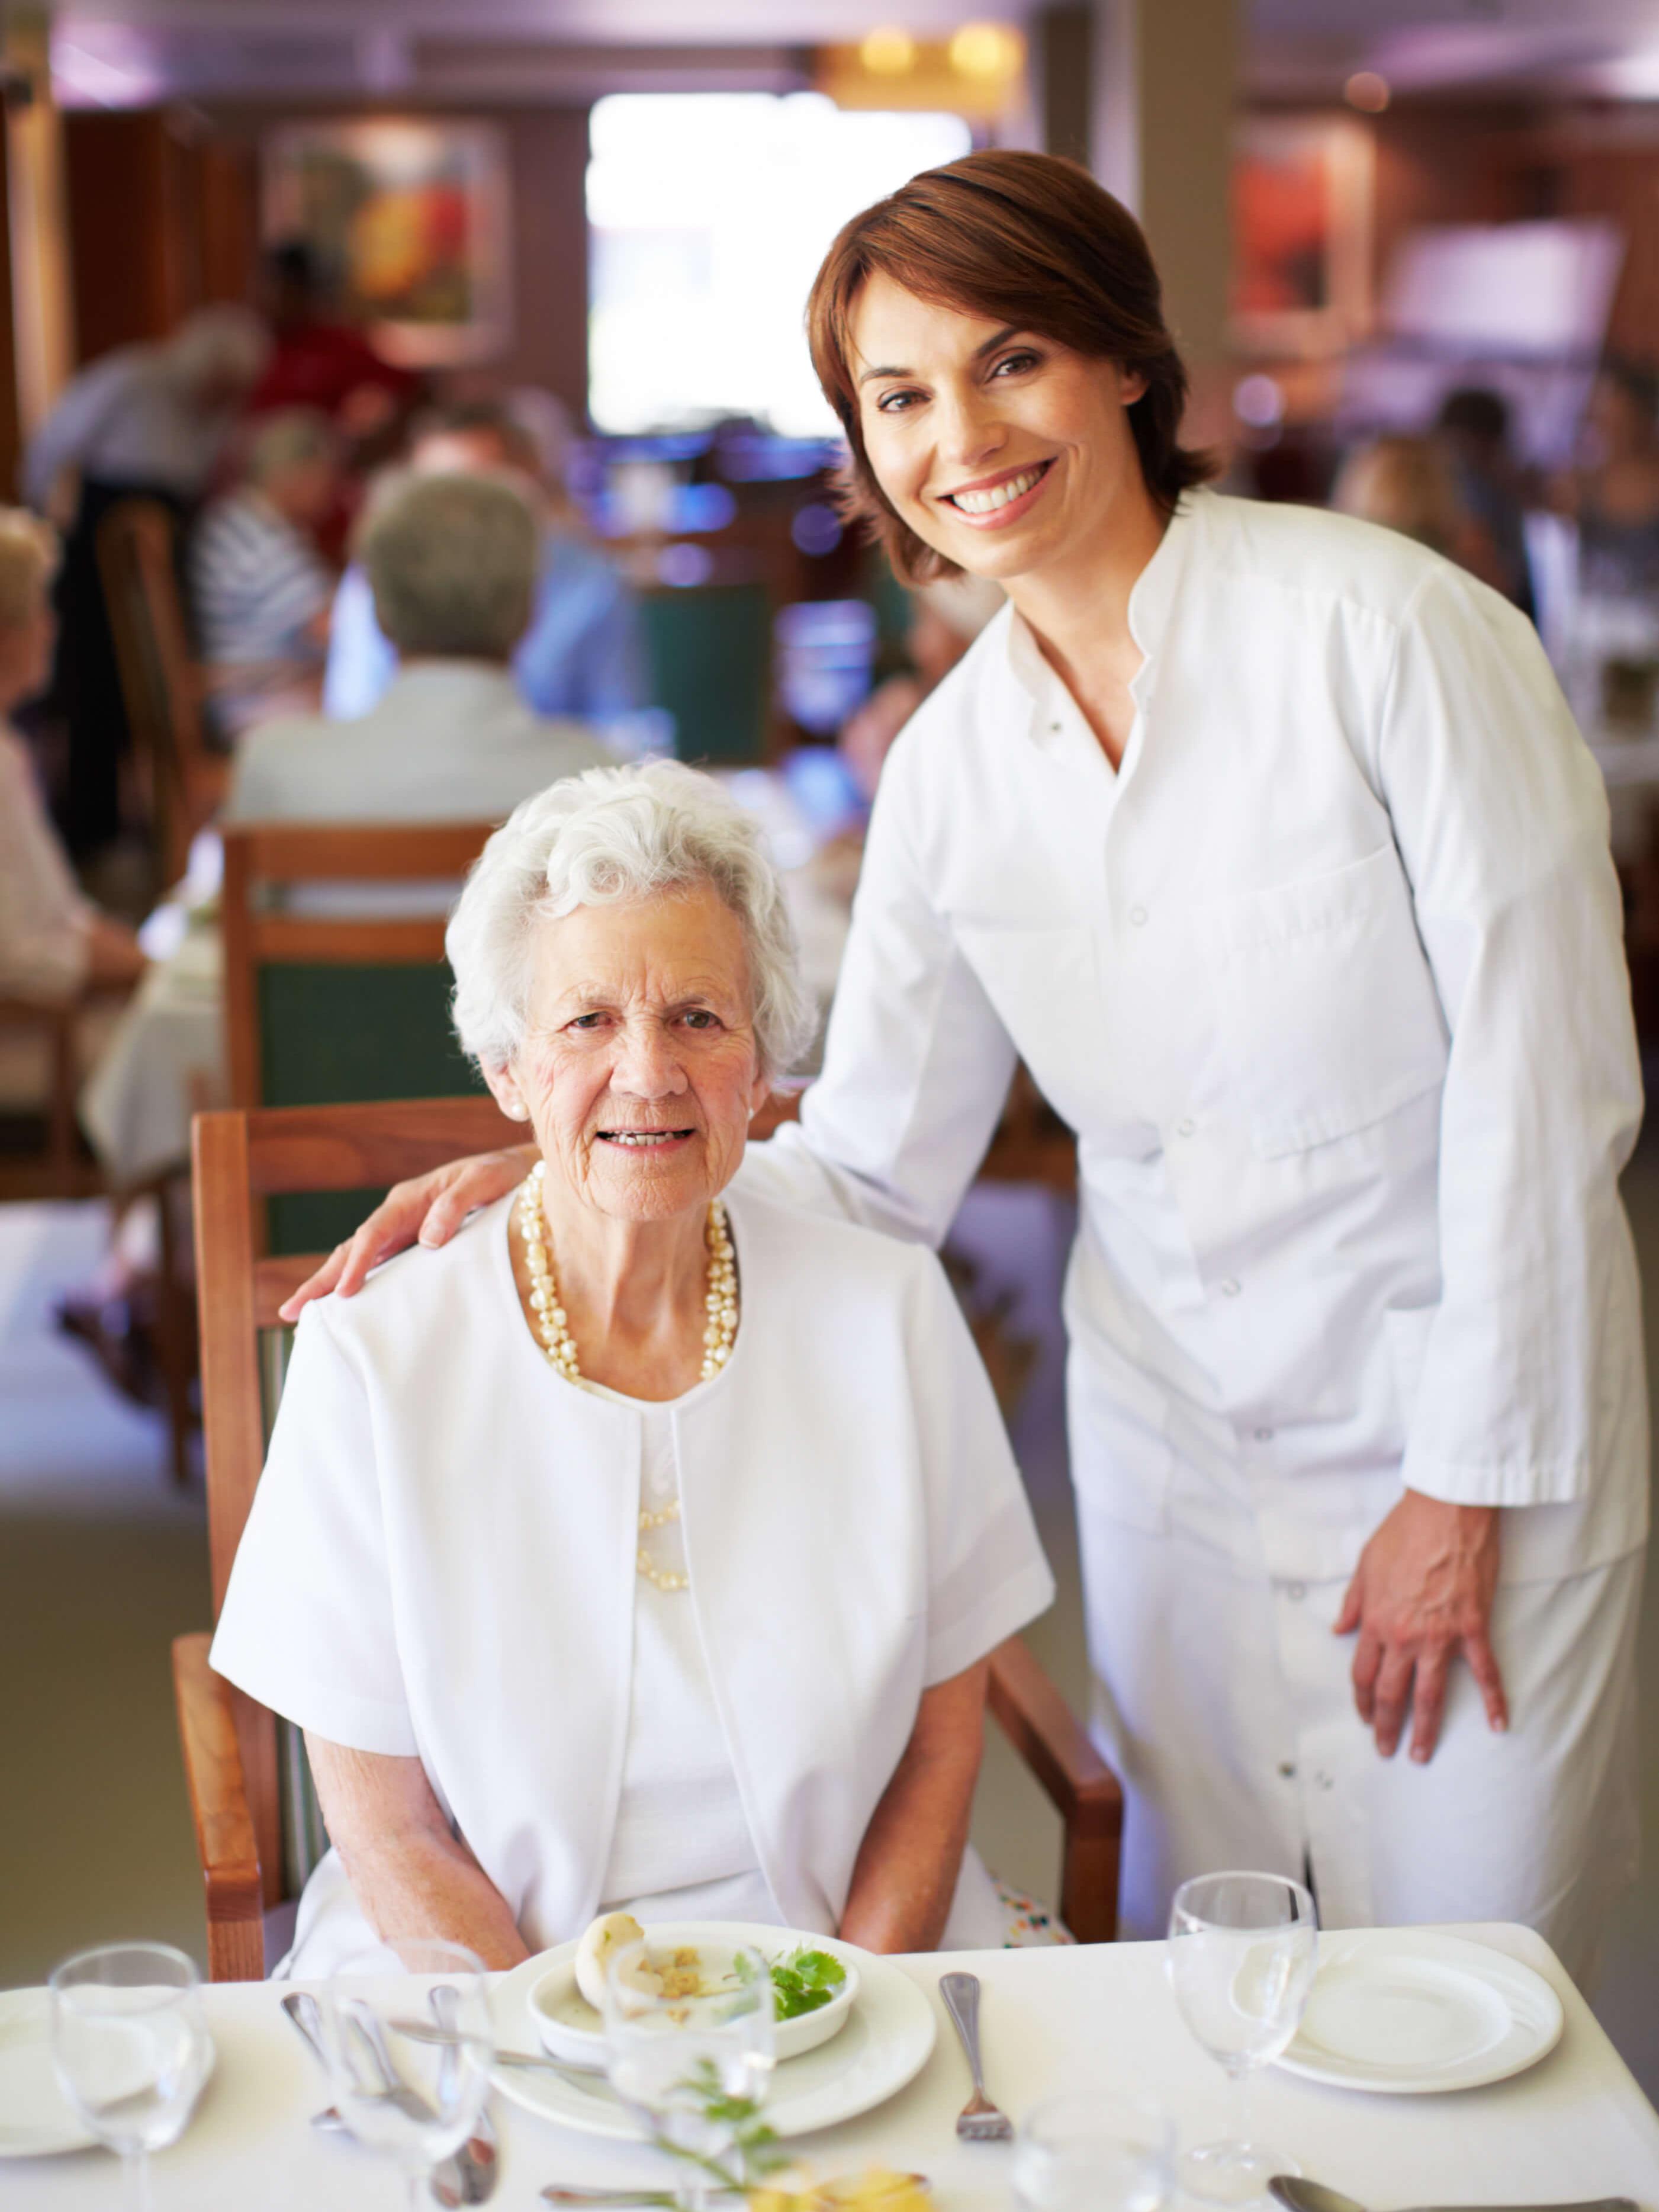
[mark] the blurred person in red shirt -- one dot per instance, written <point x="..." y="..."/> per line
<point x="316" y="359"/>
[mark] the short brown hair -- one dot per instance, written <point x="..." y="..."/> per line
<point x="1030" y="240"/>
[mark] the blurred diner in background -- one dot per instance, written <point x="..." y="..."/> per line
<point x="398" y="417"/>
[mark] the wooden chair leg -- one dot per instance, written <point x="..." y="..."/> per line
<point x="173" y="1336"/>
<point x="62" y="1141"/>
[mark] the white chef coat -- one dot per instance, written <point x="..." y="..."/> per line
<point x="441" y="1558"/>
<point x="1328" y="978"/>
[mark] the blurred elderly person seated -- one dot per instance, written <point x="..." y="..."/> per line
<point x="643" y="1548"/>
<point x="53" y="941"/>
<point x="582" y="649"/>
<point x="1409" y="484"/>
<point x="260" y="588"/>
<point x="451" y="563"/>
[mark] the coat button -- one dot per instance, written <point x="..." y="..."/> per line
<point x="1139" y="916"/>
<point x="1323" y="1782"/>
<point x="1296" y="1592"/>
<point x="1287" y="1770"/>
<point x="1185" y="1127"/>
<point x="1232" y="1287"/>
<point x="1264" y="1435"/>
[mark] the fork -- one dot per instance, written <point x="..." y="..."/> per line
<point x="980" y="2120"/>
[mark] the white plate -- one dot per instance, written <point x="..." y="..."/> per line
<point x="35" y="2119"/>
<point x="886" y="2043"/>
<point x="569" y="2028"/>
<point x="1408" y="2013"/>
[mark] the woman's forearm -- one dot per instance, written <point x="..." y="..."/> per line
<point x="409" y="1874"/>
<point x="904" y="1876"/>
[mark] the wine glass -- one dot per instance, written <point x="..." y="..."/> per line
<point x="1094" y="2153"/>
<point x="405" y="2088"/>
<point x="130" y="2048"/>
<point x="1242" y="1951"/>
<point x="693" y="2063"/>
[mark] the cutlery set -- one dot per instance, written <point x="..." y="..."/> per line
<point x="471" y="2176"/>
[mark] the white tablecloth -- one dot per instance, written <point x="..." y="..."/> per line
<point x="1576" y="2125"/>
<point x="164" y="1058"/>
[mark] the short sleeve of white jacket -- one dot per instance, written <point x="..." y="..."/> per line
<point x="307" y="1626"/>
<point x="1500" y="816"/>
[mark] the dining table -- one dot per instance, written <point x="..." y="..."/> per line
<point x="1575" y="2125"/>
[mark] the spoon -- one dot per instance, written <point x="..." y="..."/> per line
<point x="1299" y="2196"/>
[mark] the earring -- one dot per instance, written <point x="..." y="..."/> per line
<point x="518" y="1111"/>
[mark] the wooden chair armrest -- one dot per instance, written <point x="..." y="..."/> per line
<point x="225" y="1839"/>
<point x="1054" y="1744"/>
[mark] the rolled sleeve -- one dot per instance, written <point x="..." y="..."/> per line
<point x="987" y="1574"/>
<point x="1500" y="816"/>
<point x="308" y="1624"/>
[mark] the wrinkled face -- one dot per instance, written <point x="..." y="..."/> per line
<point x="1005" y="451"/>
<point x="639" y="1070"/>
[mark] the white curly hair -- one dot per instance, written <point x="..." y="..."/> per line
<point x="609" y="834"/>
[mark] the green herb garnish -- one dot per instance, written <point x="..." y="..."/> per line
<point x="804" y="1981"/>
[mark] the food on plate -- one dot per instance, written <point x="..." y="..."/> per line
<point x="803" y="1981"/>
<point x="600" y="1942"/>
<point x="877" y="2190"/>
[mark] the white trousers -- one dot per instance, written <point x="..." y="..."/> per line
<point x="1224" y="1703"/>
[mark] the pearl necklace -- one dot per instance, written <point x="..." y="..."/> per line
<point x="552" y="1327"/>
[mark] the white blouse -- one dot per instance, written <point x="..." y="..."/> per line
<point x="44" y="918"/>
<point x="441" y="1558"/>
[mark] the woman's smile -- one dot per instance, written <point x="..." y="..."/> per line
<point x="994" y="502"/>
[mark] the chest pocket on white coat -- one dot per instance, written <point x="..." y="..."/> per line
<point x="1325" y="1008"/>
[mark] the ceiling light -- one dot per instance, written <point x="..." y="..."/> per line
<point x="1367" y="91"/>
<point x="888" y="52"/>
<point x="986" y="50"/>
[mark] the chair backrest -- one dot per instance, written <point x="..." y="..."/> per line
<point x="238" y="1161"/>
<point x="710" y="655"/>
<point x="137" y="556"/>
<point x="322" y="1007"/>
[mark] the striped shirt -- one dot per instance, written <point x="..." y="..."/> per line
<point x="258" y="585"/>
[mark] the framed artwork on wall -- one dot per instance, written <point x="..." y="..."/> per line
<point x="1302" y="194"/>
<point x="411" y="218"/>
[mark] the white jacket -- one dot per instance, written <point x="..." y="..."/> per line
<point x="1328" y="978"/>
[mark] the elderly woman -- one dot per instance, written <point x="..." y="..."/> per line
<point x="647" y="1550"/>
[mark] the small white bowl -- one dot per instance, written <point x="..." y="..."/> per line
<point x="570" y="2028"/>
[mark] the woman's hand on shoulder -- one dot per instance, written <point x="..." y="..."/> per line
<point x="428" y="1209"/>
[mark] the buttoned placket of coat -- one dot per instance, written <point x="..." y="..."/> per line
<point x="1298" y="1746"/>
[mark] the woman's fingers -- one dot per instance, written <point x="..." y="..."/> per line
<point x="314" y="1286"/>
<point x="1367" y="1659"/>
<point x="1428" y="1700"/>
<point x="1483" y="1665"/>
<point x="1353" y="1605"/>
<point x="1392" y="1695"/>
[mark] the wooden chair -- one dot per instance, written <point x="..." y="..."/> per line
<point x="326" y="1008"/>
<point x="231" y="1743"/>
<point x="181" y="783"/>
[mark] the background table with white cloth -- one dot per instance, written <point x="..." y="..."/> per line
<point x="1574" y="2125"/>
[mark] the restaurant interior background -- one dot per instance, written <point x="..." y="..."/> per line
<point x="617" y="205"/>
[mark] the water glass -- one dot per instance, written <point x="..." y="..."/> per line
<point x="130" y="2047"/>
<point x="403" y="2089"/>
<point x="1094" y="2153"/>
<point x="1242" y="1954"/>
<point x="695" y="2067"/>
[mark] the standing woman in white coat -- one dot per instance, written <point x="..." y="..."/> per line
<point x="1266" y="840"/>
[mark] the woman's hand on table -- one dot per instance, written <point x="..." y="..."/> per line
<point x="1421" y="1593"/>
<point x="428" y="1209"/>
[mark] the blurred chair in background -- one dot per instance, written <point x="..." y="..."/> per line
<point x="148" y="421"/>
<point x="709" y="654"/>
<point x="180" y="783"/>
<point x="260" y="588"/>
<point x="581" y="651"/>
